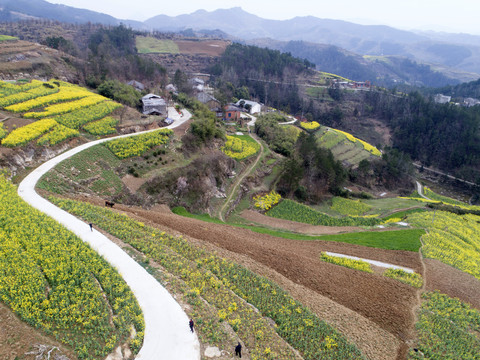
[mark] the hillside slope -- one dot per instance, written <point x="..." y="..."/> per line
<point x="22" y="59"/>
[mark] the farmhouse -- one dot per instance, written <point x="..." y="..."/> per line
<point x="252" y="106"/>
<point x="197" y="84"/>
<point x="469" y="102"/>
<point x="351" y="85"/>
<point x="208" y="100"/>
<point x="232" y="112"/>
<point x="442" y="99"/>
<point x="154" y="105"/>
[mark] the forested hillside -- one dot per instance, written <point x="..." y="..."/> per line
<point x="442" y="135"/>
<point x="469" y="89"/>
<point x="270" y="75"/>
<point x="387" y="71"/>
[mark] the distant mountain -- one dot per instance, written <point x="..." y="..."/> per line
<point x="457" y="51"/>
<point x="12" y="10"/>
<point x="239" y="23"/>
<point x="460" y="51"/>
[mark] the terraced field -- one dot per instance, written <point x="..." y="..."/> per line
<point x="61" y="109"/>
<point x="345" y="147"/>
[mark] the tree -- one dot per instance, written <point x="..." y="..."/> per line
<point x="180" y="79"/>
<point x="120" y="92"/>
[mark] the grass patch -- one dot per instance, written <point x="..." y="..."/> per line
<point x="318" y="93"/>
<point x="408" y="240"/>
<point x="150" y="45"/>
<point x="404" y="213"/>
<point x="180" y="210"/>
<point x="387" y="206"/>
<point x="349" y="207"/>
<point x="446" y="200"/>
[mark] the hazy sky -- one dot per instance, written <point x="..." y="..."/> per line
<point x="441" y="15"/>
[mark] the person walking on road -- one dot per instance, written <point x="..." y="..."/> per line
<point x="91" y="226"/>
<point x="190" y="323"/>
<point x="238" y="350"/>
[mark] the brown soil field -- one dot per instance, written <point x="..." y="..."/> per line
<point x="18" y="338"/>
<point x="204" y="47"/>
<point x="379" y="300"/>
<point x="452" y="282"/>
<point x="133" y="183"/>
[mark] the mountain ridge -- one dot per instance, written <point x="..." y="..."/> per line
<point x="458" y="51"/>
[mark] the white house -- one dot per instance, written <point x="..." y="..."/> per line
<point x="442" y="99"/>
<point x="469" y="102"/>
<point x="254" y="106"/>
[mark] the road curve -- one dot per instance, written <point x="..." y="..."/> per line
<point x="167" y="335"/>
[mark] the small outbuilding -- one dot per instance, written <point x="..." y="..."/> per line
<point x="154" y="105"/>
<point x="137" y="85"/>
<point x="208" y="100"/>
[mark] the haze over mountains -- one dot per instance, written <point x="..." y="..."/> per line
<point x="457" y="51"/>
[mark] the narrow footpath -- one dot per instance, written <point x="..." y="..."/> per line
<point x="167" y="334"/>
<point x="240" y="179"/>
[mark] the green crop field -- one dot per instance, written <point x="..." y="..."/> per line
<point x="294" y="211"/>
<point x="318" y="93"/>
<point x="7" y="38"/>
<point x="150" y="45"/>
<point x="408" y="240"/>
<point x="93" y="168"/>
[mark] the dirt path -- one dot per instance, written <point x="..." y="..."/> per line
<point x="240" y="179"/>
<point x="403" y="351"/>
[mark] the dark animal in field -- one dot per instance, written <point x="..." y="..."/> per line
<point x="109" y="203"/>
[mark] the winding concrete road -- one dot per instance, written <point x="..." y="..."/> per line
<point x="420" y="190"/>
<point x="167" y="334"/>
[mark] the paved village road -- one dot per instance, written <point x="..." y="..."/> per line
<point x="167" y="334"/>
